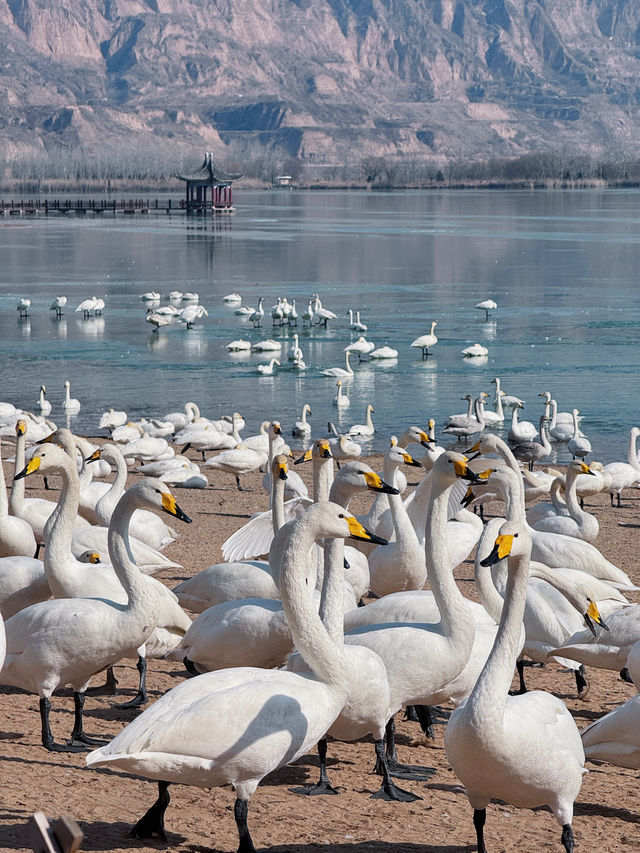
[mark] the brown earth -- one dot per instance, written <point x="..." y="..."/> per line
<point x="107" y="803"/>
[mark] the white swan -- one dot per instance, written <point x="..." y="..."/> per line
<point x="625" y="474"/>
<point x="87" y="306"/>
<point x="384" y="353"/>
<point x="239" y="345"/>
<point x="111" y="419"/>
<point x="525" y="749"/>
<point x="362" y="347"/>
<point x="22" y="583"/>
<point x="67" y="641"/>
<point x="427" y="340"/>
<point x="354" y="324"/>
<point x="578" y="445"/>
<point x="43" y="405"/>
<point x="206" y="730"/>
<point x="340" y="372"/>
<point x="341" y="400"/>
<point x="268" y="369"/>
<point x="150" y="296"/>
<point x="577" y="522"/>
<point x="240" y="460"/>
<point x="230" y="297"/>
<point x="16" y="534"/>
<point x="366" y="429"/>
<point x="58" y="305"/>
<point x="269" y="345"/>
<point x="258" y="314"/>
<point x="475" y="351"/>
<point x="608" y="649"/>
<point x="181" y="419"/>
<point x="301" y="428"/>
<point x="554" y="549"/>
<point x="486" y="305"/>
<point x="144" y="526"/>
<point x="71" y="404"/>
<point x="534" y="451"/>
<point x="294" y="352"/>
<point x="157" y="320"/>
<point x="343" y="448"/>
<point x="520" y="431"/>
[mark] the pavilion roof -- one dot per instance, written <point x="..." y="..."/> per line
<point x="209" y="173"/>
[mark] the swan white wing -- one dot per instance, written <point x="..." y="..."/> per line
<point x="616" y="736"/>
<point x="254" y="538"/>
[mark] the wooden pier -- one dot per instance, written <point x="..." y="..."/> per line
<point x="127" y="207"/>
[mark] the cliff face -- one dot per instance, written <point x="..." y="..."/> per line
<point x="328" y="81"/>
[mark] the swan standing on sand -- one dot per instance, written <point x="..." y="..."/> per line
<point x="239" y="460"/>
<point x="426" y="341"/>
<point x="524" y="749"/>
<point x="237" y="725"/>
<point x="67" y="641"/>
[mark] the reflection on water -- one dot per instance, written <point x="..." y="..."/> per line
<point x="561" y="266"/>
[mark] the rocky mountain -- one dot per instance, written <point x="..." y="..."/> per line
<point x="326" y="81"/>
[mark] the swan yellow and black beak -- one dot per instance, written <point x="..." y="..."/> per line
<point x="501" y="549"/>
<point x="468" y="498"/>
<point x="463" y="472"/>
<point x="425" y="440"/>
<point x="359" y="531"/>
<point x="324" y="448"/>
<point x="592" y="618"/>
<point x="475" y="450"/>
<point x="376" y="484"/>
<point x="408" y="459"/>
<point x="21" y="427"/>
<point x="91" y="557"/>
<point x="306" y="457"/>
<point x="282" y="470"/>
<point x="30" y="468"/>
<point x="95" y="456"/>
<point x="169" y="505"/>
<point x="277" y="428"/>
<point x="586" y="470"/>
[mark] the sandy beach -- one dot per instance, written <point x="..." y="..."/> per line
<point x="108" y="803"/>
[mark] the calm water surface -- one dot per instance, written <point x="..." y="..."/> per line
<point x="562" y="266"/>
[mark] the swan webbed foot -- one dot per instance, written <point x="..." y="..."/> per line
<point x="625" y="675"/>
<point x="567" y="838"/>
<point x="322" y="787"/>
<point x="109" y="688"/>
<point x="240" y="489"/>
<point x="392" y="793"/>
<point x="52" y="746"/>
<point x="410" y="714"/>
<point x="410" y="771"/>
<point x="152" y="822"/>
<point x="138" y="701"/>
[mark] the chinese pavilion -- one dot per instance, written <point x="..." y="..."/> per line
<point x="209" y="188"/>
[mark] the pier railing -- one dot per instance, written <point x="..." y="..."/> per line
<point x="131" y="206"/>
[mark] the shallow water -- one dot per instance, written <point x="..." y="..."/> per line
<point x="562" y="267"/>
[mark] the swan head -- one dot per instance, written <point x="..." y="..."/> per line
<point x="275" y="428"/>
<point x="21" y="427"/>
<point x="49" y="457"/>
<point x="154" y="494"/>
<point x="89" y="557"/>
<point x="279" y="466"/>
<point x="451" y="466"/>
<point x="329" y="520"/>
<point x="320" y="449"/>
<point x="418" y="436"/>
<point x="581" y="467"/>
<point x="592" y="615"/>
<point x="361" y="477"/>
<point x="512" y="541"/>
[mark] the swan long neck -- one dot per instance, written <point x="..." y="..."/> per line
<point x="574" y="414"/>
<point x="454" y="612"/>
<point x="59" y="528"/>
<point x="107" y="503"/>
<point x="554" y="413"/>
<point x="489" y="696"/>
<point x="277" y="503"/>
<point x="554" y="493"/>
<point x="331" y="593"/>
<point x="139" y="593"/>
<point x="544" y="441"/>
<point x="505" y="451"/>
<point x="401" y="522"/>
<point x="479" y="411"/>
<point x="632" y="458"/>
<point x="311" y="638"/>
<point x="16" y="499"/>
<point x="489" y="596"/>
<point x="4" y="501"/>
<point x="571" y="497"/>
<point x="369" y="420"/>
<point x="322" y="478"/>
<point x="498" y="406"/>
<point x="417" y="509"/>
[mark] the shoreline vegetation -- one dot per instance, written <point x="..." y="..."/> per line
<point x="79" y="171"/>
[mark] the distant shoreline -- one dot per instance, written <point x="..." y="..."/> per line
<point x="27" y="188"/>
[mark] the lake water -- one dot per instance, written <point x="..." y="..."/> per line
<point x="562" y="266"/>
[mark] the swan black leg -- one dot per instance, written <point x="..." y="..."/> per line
<point x="322" y="786"/>
<point x="240" y="489"/>
<point x="567" y="838"/>
<point x="625" y="675"/>
<point x="399" y="771"/>
<point x="479" y="818"/>
<point x="109" y="688"/>
<point x="190" y="666"/>
<point x="389" y="790"/>
<point x="523" y="686"/>
<point x="240" y="812"/>
<point x="582" y="684"/>
<point x="47" y="738"/>
<point x="78" y="737"/>
<point x="152" y="823"/>
<point x="141" y="697"/>
<point x="426" y="719"/>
